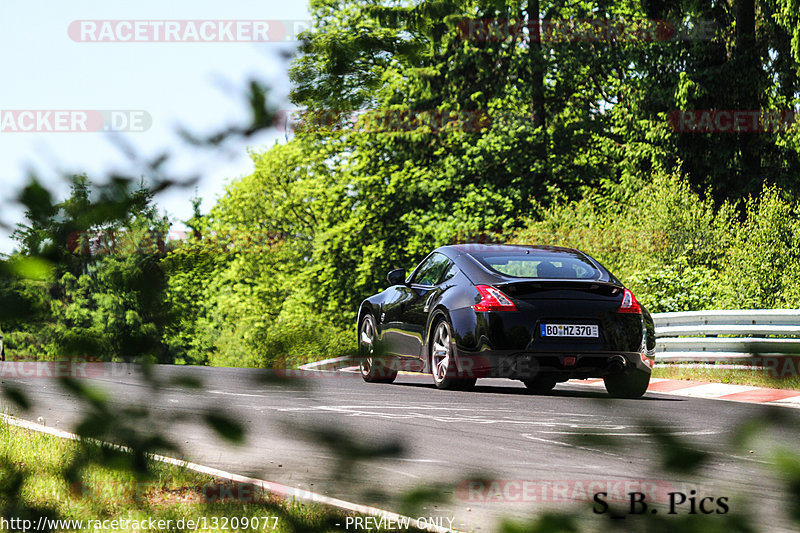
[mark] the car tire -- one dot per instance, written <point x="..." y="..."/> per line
<point x="374" y="368"/>
<point x="540" y="384"/>
<point x="627" y="385"/>
<point x="443" y="364"/>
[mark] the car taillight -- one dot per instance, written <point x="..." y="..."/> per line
<point x="629" y="304"/>
<point x="493" y="300"/>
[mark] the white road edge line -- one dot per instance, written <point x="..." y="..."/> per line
<point x="269" y="487"/>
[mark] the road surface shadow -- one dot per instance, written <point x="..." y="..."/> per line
<point x="557" y="392"/>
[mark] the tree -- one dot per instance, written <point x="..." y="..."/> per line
<point x="105" y="291"/>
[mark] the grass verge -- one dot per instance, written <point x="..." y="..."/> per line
<point x="755" y="378"/>
<point x="46" y="476"/>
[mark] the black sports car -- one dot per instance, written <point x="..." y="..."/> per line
<point x="539" y="314"/>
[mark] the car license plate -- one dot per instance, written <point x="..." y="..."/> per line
<point x="569" y="330"/>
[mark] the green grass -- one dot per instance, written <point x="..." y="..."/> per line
<point x="755" y="378"/>
<point x="44" y="475"/>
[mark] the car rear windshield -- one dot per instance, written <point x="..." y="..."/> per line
<point x="543" y="265"/>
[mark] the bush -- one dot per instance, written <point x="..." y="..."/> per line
<point x="762" y="265"/>
<point x="285" y="343"/>
<point x="651" y="227"/>
<point x="676" y="287"/>
<point x="677" y="251"/>
<point x="294" y="341"/>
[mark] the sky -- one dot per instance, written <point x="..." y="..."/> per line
<point x="60" y="57"/>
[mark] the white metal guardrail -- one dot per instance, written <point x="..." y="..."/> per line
<point x="743" y="336"/>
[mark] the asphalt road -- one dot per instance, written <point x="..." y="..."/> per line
<point x="532" y="452"/>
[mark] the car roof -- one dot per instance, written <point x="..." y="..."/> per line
<point x="503" y="248"/>
<point x="477" y="273"/>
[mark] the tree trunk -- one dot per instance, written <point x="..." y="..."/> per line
<point x="748" y="74"/>
<point x="537" y="64"/>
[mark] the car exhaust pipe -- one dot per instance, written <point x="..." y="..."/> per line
<point x="616" y="364"/>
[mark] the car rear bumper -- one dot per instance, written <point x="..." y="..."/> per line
<point x="562" y="365"/>
<point x="497" y="344"/>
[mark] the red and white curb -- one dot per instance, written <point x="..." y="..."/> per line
<point x="717" y="391"/>
<point x="269" y="487"/>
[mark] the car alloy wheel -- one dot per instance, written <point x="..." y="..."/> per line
<point x="443" y="364"/>
<point x="374" y="368"/>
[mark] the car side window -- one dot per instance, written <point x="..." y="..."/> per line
<point x="430" y="272"/>
<point x="451" y="271"/>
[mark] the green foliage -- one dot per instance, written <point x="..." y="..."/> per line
<point x="189" y="269"/>
<point x="241" y="289"/>
<point x="676" y="287"/>
<point x="657" y="221"/>
<point x="88" y="279"/>
<point x="298" y="339"/>
<point x="762" y="266"/>
<point x="678" y="252"/>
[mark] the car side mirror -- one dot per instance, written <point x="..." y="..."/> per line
<point x="397" y="276"/>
